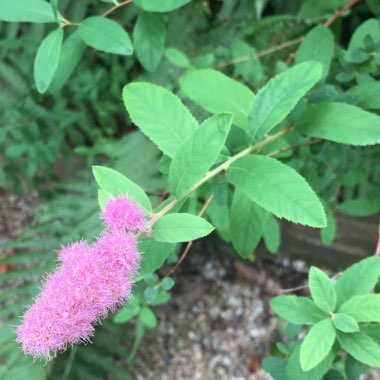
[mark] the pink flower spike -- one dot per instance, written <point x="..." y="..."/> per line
<point x="121" y="213"/>
<point x="71" y="251"/>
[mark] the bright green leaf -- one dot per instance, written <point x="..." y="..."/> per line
<point x="279" y="96"/>
<point x="367" y="94"/>
<point x="297" y="310"/>
<point x="358" y="279"/>
<point x="105" y="35"/>
<point x="198" y="154"/>
<point x="247" y="221"/>
<point x="102" y="198"/>
<point x="175" y="228"/>
<point x="217" y="93"/>
<point x="363" y="308"/>
<point x="116" y="184"/>
<point x="322" y="290"/>
<point x="160" y="115"/>
<point x="318" y="46"/>
<point x="128" y="312"/>
<point x="149" y="37"/>
<point x="26" y="11"/>
<point x="275" y="367"/>
<point x="360" y="207"/>
<point x="317" y="344"/>
<point x="47" y="58"/>
<point x="160" y="6"/>
<point x="277" y="188"/>
<point x="339" y="122"/>
<point x="361" y="347"/>
<point x="167" y="283"/>
<point x="345" y="323"/>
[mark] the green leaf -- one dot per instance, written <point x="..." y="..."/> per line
<point x="322" y="290"/>
<point x="318" y="46"/>
<point x="117" y="184"/>
<point x="354" y="368"/>
<point x="360" y="207"/>
<point x="272" y="234"/>
<point x="294" y="371"/>
<point x="279" y="96"/>
<point x="160" y="6"/>
<point x="71" y="52"/>
<point x="339" y="122"/>
<point x="361" y="347"/>
<point x="160" y="115"/>
<point x="198" y="154"/>
<point x="363" y="308"/>
<point x="217" y="93"/>
<point x="297" y="310"/>
<point x="328" y="233"/>
<point x="128" y="312"/>
<point x="47" y="58"/>
<point x="275" y="367"/>
<point x="317" y="344"/>
<point x="148" y="318"/>
<point x="150" y="294"/>
<point x="102" y="198"/>
<point x="153" y="255"/>
<point x="358" y="279"/>
<point x="167" y="283"/>
<point x="367" y="94"/>
<point x="54" y="8"/>
<point x="372" y="330"/>
<point x="175" y="228"/>
<point x="345" y="323"/>
<point x="149" y="37"/>
<point x="277" y="188"/>
<point x="26" y="11"/>
<point x="247" y="224"/>
<point x="177" y="58"/>
<point x="105" y="35"/>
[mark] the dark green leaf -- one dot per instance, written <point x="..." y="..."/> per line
<point x="279" y="96"/>
<point x="105" y="35"/>
<point x="277" y="188"/>
<point x="175" y="228"/>
<point x="198" y="154"/>
<point x="148" y="318"/>
<point x="47" y="59"/>
<point x="339" y="122"/>
<point x="72" y="51"/>
<point x="328" y="233"/>
<point x="354" y="368"/>
<point x="367" y="94"/>
<point x="167" y="283"/>
<point x="177" y="58"/>
<point x="149" y="37"/>
<point x="160" y="6"/>
<point x="275" y="367"/>
<point x="297" y="310"/>
<point x="272" y="234"/>
<point x="160" y="115"/>
<point x="128" y="312"/>
<point x="247" y="224"/>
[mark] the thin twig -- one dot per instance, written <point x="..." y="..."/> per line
<point x="262" y="53"/>
<point x="190" y="243"/>
<point x="105" y="14"/>
<point x="377" y="252"/>
<point x="339" y="12"/>
<point x="311" y="142"/>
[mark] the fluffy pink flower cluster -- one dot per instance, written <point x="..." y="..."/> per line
<point x="90" y="281"/>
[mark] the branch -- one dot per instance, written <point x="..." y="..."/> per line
<point x="117" y="6"/>
<point x="311" y="142"/>
<point x="190" y="243"/>
<point x="339" y="12"/>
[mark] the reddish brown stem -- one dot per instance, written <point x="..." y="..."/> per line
<point x="311" y="142"/>
<point x="117" y="6"/>
<point x="339" y="12"/>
